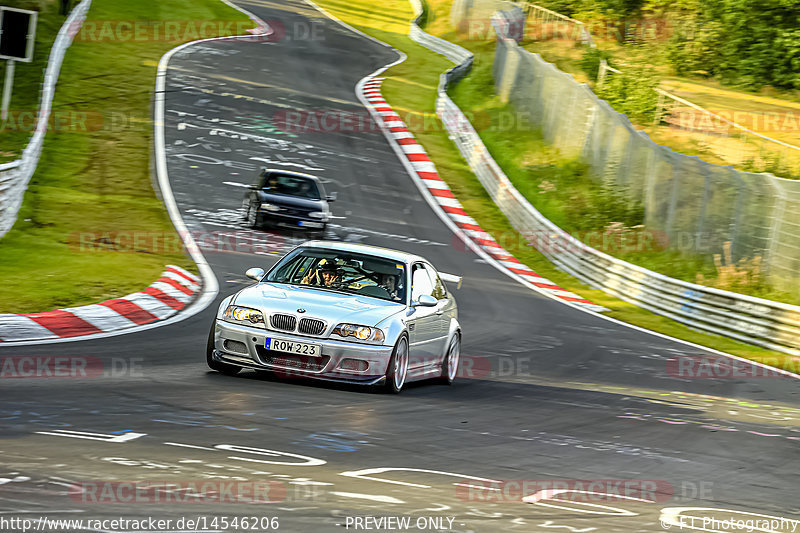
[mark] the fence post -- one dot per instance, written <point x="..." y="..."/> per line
<point x="510" y="69"/>
<point x="659" y="108"/>
<point x="737" y="216"/>
<point x="778" y="211"/>
<point x="703" y="207"/>
<point x="601" y="73"/>
<point x="673" y="201"/>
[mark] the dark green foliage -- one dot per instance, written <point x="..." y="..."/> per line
<point x="612" y="8"/>
<point x="631" y="92"/>
<point x="748" y="43"/>
<point x="590" y="62"/>
<point x="694" y="47"/>
<point x="743" y="42"/>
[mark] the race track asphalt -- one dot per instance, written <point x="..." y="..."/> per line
<point x="563" y="395"/>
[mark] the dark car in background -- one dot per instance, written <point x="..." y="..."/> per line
<point x="288" y="199"/>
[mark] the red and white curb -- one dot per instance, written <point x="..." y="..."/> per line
<point x="173" y="291"/>
<point x="425" y="171"/>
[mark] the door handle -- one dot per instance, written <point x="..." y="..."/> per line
<point x="440" y="311"/>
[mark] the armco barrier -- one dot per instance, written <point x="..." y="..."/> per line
<point x="757" y="321"/>
<point x="14" y="176"/>
<point x="8" y="176"/>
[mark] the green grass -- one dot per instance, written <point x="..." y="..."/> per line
<point x="98" y="181"/>
<point x="411" y="87"/>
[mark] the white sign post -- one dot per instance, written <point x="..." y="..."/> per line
<point x="17" y="36"/>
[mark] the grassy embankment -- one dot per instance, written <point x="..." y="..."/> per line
<point x="410" y="87"/>
<point x="94" y="176"/>
<point x="770" y="112"/>
<point x="564" y="191"/>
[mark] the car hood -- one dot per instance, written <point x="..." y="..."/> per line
<point x="329" y="306"/>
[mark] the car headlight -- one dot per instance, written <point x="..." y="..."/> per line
<point x="270" y="207"/>
<point x="244" y="315"/>
<point x="319" y="214"/>
<point x="362" y="333"/>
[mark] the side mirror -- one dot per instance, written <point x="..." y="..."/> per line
<point x="255" y="273"/>
<point x="331" y="197"/>
<point x="425" y="300"/>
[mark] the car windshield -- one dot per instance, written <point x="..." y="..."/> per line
<point x="292" y="186"/>
<point x="340" y="271"/>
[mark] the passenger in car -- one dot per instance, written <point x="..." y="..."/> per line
<point x="326" y="274"/>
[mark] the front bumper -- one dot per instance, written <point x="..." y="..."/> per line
<point x="292" y="221"/>
<point x="243" y="346"/>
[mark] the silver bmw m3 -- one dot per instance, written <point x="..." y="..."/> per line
<point x="342" y="312"/>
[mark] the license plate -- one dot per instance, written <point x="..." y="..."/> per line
<point x="309" y="224"/>
<point x="297" y="348"/>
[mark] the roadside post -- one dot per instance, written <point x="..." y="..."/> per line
<point x="17" y="35"/>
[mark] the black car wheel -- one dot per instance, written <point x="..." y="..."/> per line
<point x="213" y="364"/>
<point x="252" y="217"/>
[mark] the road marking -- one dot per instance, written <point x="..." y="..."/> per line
<point x="550" y="523"/>
<point x="125" y="437"/>
<point x="260" y="85"/>
<point x="371" y="497"/>
<point x="615" y="511"/>
<point x="476" y="486"/>
<point x="189" y="446"/>
<point x="549" y="494"/>
<point x="368" y="472"/>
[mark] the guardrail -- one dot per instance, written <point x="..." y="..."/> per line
<point x="756" y="321"/>
<point x="8" y="174"/>
<point x="14" y="179"/>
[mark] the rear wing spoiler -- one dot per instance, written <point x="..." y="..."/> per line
<point x="451" y="278"/>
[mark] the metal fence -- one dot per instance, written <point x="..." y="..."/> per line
<point x="756" y="321"/>
<point x="698" y="206"/>
<point x="15" y="176"/>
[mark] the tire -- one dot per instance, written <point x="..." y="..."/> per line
<point x="397" y="372"/>
<point x="252" y="219"/>
<point x="219" y="366"/>
<point x="451" y="359"/>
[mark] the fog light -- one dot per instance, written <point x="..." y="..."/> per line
<point x="356" y="365"/>
<point x="235" y="346"/>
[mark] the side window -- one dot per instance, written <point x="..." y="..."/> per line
<point x="439" y="292"/>
<point x="420" y="282"/>
<point x="303" y="267"/>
